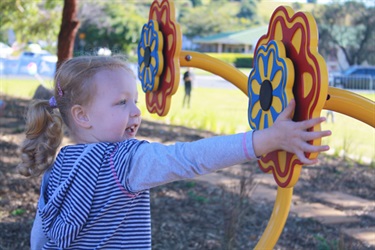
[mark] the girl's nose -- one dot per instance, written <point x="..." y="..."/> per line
<point x="135" y="111"/>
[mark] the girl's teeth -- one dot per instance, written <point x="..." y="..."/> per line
<point x="130" y="129"/>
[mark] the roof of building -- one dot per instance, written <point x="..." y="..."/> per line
<point x="241" y="37"/>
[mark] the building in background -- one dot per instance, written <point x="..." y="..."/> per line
<point x="231" y="42"/>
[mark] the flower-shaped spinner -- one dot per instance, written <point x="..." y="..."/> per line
<point x="159" y="101"/>
<point x="150" y="57"/>
<point x="270" y="85"/>
<point x="299" y="34"/>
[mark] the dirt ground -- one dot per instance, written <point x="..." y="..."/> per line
<point x="192" y="214"/>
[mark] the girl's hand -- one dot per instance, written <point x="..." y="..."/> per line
<point x="291" y="136"/>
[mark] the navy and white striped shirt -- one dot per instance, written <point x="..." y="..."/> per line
<point x="91" y="209"/>
<point x="96" y="196"/>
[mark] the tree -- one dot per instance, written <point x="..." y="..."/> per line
<point x="248" y="9"/>
<point x="213" y="18"/>
<point x="68" y="31"/>
<point x="349" y="26"/>
<point x="108" y="24"/>
<point x="196" y="3"/>
<point x="31" y="21"/>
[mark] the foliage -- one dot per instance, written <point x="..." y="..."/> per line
<point x="18" y="212"/>
<point x="239" y="60"/>
<point x="196" y="2"/>
<point x="248" y="9"/>
<point x="349" y="26"/>
<point x="244" y="62"/>
<point x="110" y="24"/>
<point x="217" y="17"/>
<point x="31" y="21"/>
<point x="204" y="21"/>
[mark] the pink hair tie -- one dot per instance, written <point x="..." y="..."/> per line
<point x="52" y="102"/>
<point x="59" y="90"/>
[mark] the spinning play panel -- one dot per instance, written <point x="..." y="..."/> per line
<point x="158" y="99"/>
<point x="298" y="32"/>
<point x="150" y="56"/>
<point x="270" y="84"/>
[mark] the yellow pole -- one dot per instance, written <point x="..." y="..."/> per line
<point x="351" y="104"/>
<point x="278" y="218"/>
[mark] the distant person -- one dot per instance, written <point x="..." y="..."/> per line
<point x="330" y="114"/>
<point x="95" y="191"/>
<point x="188" y="81"/>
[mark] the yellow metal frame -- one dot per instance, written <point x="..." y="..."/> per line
<point x="351" y="104"/>
<point x="338" y="100"/>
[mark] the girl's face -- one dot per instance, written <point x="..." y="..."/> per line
<point x="113" y="112"/>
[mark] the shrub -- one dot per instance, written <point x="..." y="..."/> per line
<point x="236" y="59"/>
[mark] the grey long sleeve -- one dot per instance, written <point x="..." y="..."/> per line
<point x="155" y="164"/>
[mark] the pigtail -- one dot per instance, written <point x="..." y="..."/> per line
<point x="43" y="137"/>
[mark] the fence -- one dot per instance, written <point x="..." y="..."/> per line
<point x="354" y="82"/>
<point x="44" y="66"/>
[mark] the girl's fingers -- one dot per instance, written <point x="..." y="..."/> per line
<point x="312" y="135"/>
<point x="311" y="122"/>
<point x="311" y="148"/>
<point x="310" y="162"/>
<point x="304" y="160"/>
<point x="308" y="148"/>
<point x="288" y="111"/>
<point x="297" y="135"/>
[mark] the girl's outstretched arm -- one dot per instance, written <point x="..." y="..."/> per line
<point x="290" y="136"/>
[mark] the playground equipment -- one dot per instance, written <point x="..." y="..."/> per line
<point x="287" y="65"/>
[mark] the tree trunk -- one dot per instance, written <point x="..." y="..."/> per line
<point x="68" y="31"/>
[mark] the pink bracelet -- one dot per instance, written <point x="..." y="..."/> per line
<point x="245" y="147"/>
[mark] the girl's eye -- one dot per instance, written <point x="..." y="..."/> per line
<point x="122" y="102"/>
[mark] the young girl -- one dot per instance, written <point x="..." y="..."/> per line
<point x="95" y="194"/>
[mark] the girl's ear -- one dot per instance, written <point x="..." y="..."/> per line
<point x="80" y="117"/>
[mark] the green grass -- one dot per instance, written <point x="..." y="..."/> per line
<point x="221" y="111"/>
<point x="224" y="111"/>
<point x="351" y="137"/>
<point x="21" y="87"/>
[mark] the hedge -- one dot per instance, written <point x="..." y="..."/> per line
<point x="236" y="59"/>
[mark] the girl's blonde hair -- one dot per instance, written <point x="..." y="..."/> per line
<point x="44" y="132"/>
